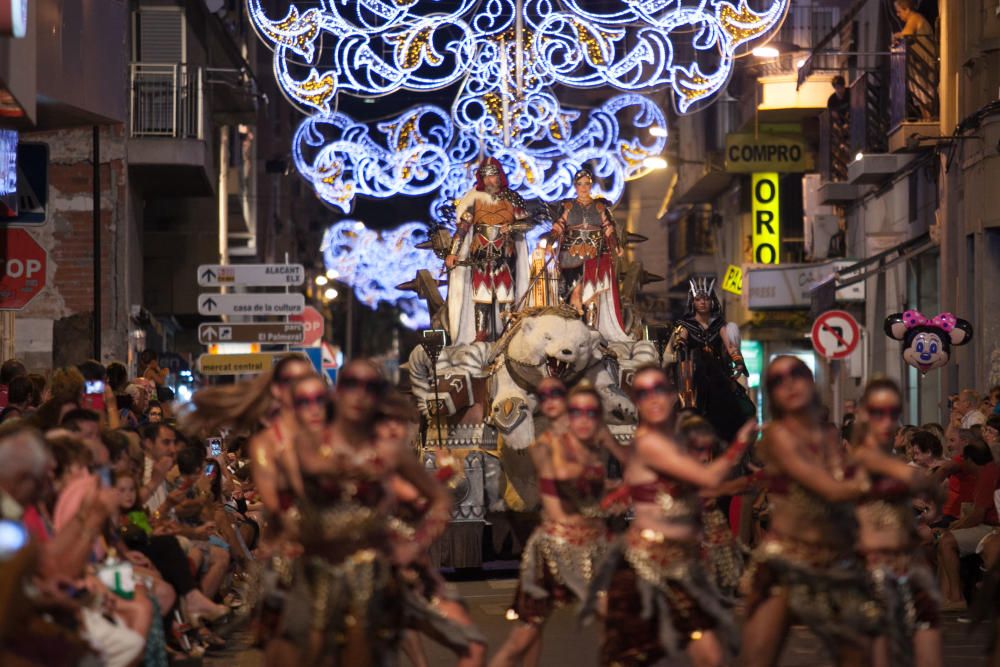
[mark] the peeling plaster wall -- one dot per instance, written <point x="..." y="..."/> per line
<point x="56" y="327"/>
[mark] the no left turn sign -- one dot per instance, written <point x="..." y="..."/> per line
<point x="835" y="334"/>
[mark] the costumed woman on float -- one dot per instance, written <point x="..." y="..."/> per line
<point x="586" y="240"/>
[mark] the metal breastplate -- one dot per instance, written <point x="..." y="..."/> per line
<point x="495" y="213"/>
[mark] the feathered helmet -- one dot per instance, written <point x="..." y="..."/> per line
<point x="490" y="167"/>
<point x="702" y="287"/>
<point x="583" y="174"/>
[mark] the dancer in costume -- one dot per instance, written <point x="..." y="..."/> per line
<point x="710" y="362"/>
<point x="344" y="605"/>
<point x="806" y="569"/>
<point x="263" y="407"/>
<point x="488" y="262"/>
<point x="431" y="605"/>
<point x="562" y="554"/>
<point x="720" y="550"/>
<point x="586" y="240"/>
<point x="903" y="585"/>
<point x="660" y="601"/>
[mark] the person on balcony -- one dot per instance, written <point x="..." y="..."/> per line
<point x="914" y="23"/>
<point x="839" y="103"/>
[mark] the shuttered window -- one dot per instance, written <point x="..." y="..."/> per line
<point x="159" y="35"/>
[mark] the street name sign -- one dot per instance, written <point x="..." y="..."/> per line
<point x="251" y="304"/>
<point x="278" y="333"/>
<point x="251" y="275"/>
<point x="234" y="364"/>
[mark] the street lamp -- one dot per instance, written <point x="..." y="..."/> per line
<point x="655" y="162"/>
<point x="330" y="294"/>
<point x="776" y="49"/>
<point x="321" y="280"/>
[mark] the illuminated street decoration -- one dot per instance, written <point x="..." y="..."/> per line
<point x="423" y="151"/>
<point x="373" y="263"/>
<point x="506" y="75"/>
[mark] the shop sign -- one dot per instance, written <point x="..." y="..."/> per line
<point x="791" y="286"/>
<point x="733" y="280"/>
<point x="748" y="154"/>
<point x="766" y="209"/>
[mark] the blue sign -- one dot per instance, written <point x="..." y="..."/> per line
<point x="32" y="185"/>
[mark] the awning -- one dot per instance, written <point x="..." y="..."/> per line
<point x="842" y="28"/>
<point x="823" y="292"/>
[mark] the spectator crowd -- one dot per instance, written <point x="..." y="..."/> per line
<point x="137" y="540"/>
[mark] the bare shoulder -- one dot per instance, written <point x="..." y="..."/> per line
<point x="653" y="441"/>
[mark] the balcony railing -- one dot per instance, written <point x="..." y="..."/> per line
<point x="167" y="101"/>
<point x="914" y="81"/>
<point x="869" y="114"/>
<point x="834" y="146"/>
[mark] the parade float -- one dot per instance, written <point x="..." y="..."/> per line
<point x="536" y="278"/>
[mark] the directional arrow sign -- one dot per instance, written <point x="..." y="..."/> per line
<point x="251" y="304"/>
<point x="251" y="275"/>
<point x="234" y="364"/>
<point x="280" y="333"/>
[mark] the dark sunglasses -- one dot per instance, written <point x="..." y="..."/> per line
<point x="590" y="413"/>
<point x="311" y="399"/>
<point x="555" y="392"/>
<point x="775" y="380"/>
<point x="658" y="389"/>
<point x="893" y="412"/>
<point x="375" y="387"/>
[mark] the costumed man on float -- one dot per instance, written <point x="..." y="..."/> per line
<point x="488" y="262"/>
<point x="710" y="363"/>
<point x="586" y="240"/>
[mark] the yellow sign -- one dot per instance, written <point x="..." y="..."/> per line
<point x="766" y="211"/>
<point x="767" y="152"/>
<point x="733" y="280"/>
<point x="234" y="364"/>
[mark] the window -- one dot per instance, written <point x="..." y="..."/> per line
<point x="158" y="35"/>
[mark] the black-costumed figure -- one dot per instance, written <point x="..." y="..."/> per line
<point x="488" y="261"/>
<point x="585" y="237"/>
<point x="708" y="349"/>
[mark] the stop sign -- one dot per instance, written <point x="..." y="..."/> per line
<point x="22" y="268"/>
<point x="314" y="326"/>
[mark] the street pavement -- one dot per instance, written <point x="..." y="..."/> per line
<point x="566" y="644"/>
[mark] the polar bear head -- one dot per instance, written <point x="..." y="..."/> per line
<point x="553" y="343"/>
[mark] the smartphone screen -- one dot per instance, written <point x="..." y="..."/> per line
<point x="94" y="387"/>
<point x="13" y="537"/>
<point x="214" y="447"/>
<point x="209" y="469"/>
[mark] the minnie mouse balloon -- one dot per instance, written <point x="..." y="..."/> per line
<point x="927" y="341"/>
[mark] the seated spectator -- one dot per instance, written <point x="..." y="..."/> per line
<point x="134" y="415"/>
<point x="154" y="413"/>
<point x="10" y="369"/>
<point x="991" y="435"/>
<point x="960" y="477"/>
<point x="159" y="442"/>
<point x="66" y="391"/>
<point x="926" y="450"/>
<point x="936" y="429"/>
<point x="87" y="425"/>
<point x="19" y="393"/>
<point x="39" y="390"/>
<point x="965" y="411"/>
<point x="976" y="522"/>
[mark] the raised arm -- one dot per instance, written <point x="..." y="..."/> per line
<point x="809" y="474"/>
<point x="662" y="455"/>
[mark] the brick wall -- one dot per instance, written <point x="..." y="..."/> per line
<point x="56" y="327"/>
